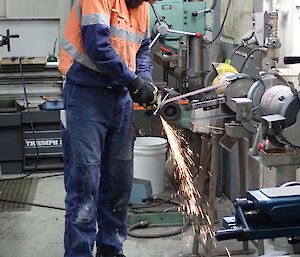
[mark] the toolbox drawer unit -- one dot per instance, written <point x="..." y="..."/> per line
<point x="18" y="153"/>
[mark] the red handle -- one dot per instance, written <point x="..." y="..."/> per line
<point x="166" y="50"/>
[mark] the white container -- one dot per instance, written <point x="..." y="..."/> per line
<point x="149" y="161"/>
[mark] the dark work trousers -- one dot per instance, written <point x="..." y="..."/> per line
<point x="98" y="155"/>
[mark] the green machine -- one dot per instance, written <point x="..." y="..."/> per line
<point x="180" y="26"/>
<point x="186" y="18"/>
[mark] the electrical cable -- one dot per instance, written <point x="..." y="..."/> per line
<point x="222" y="26"/>
<point x="146" y="224"/>
<point x="213" y="5"/>
<point x="248" y="57"/>
<point x="163" y="201"/>
<point x="235" y="50"/>
<point x="153" y="209"/>
<point x="136" y="209"/>
<point x="51" y="176"/>
<point x="31" y="126"/>
<point x="33" y="204"/>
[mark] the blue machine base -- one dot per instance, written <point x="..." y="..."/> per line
<point x="265" y="213"/>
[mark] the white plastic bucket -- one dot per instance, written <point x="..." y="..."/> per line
<point x="149" y="161"/>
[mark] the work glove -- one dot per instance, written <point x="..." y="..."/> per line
<point x="143" y="92"/>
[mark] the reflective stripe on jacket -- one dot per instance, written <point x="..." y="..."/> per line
<point x="105" y="43"/>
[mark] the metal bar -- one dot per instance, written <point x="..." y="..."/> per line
<point x="154" y="40"/>
<point x="214" y="170"/>
<point x="182" y="32"/>
<point x="193" y="93"/>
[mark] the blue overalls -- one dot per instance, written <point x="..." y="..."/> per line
<point x="98" y="154"/>
<point x="98" y="139"/>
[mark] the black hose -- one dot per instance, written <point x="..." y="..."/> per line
<point x="235" y="50"/>
<point x="248" y="57"/>
<point x="51" y="176"/>
<point x="163" y="201"/>
<point x="146" y="224"/>
<point x="213" y="5"/>
<point x="222" y="26"/>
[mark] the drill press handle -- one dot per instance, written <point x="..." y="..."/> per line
<point x="5" y="40"/>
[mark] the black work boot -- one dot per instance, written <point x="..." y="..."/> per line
<point x="106" y="251"/>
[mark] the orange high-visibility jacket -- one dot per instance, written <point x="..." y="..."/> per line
<point x="106" y="43"/>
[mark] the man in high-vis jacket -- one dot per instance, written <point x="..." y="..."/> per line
<point x="105" y="57"/>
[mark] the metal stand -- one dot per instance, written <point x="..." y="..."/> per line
<point x="205" y="156"/>
<point x="243" y="178"/>
<point x="214" y="170"/>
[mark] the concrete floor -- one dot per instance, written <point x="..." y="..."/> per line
<point x="39" y="232"/>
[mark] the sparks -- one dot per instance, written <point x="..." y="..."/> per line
<point x="183" y="159"/>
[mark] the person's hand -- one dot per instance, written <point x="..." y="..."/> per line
<point x="143" y="92"/>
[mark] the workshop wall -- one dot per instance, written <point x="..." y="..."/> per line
<point x="39" y="15"/>
<point x="2" y="8"/>
<point x="289" y="24"/>
<point x="239" y="19"/>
